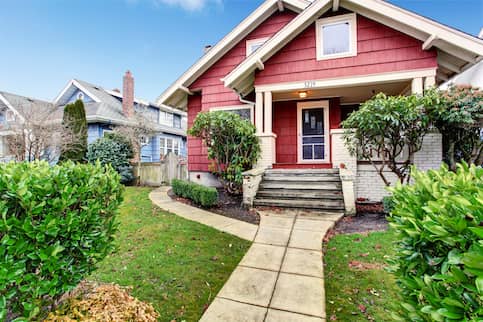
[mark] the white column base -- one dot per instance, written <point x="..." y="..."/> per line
<point x="267" y="154"/>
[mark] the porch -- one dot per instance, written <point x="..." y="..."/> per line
<point x="299" y="123"/>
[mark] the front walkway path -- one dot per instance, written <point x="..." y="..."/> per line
<point x="281" y="276"/>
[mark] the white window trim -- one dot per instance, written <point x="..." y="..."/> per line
<point x="351" y="18"/>
<point x="313" y="104"/>
<point x="9" y="116"/>
<point x="237" y="107"/>
<point x="104" y="131"/>
<point x="163" y="150"/>
<point x="251" y="42"/>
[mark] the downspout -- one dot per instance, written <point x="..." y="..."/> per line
<point x="244" y="101"/>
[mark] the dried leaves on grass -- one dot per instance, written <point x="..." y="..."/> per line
<point x="102" y="302"/>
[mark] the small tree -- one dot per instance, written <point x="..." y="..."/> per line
<point x="387" y="131"/>
<point x="74" y="120"/>
<point x="232" y="145"/>
<point x="459" y="116"/>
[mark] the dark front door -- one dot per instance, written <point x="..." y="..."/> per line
<point x="313" y="134"/>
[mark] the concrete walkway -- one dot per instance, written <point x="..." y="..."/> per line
<point x="281" y="276"/>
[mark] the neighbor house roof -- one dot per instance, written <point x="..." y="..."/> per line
<point x="24" y="106"/>
<point x="457" y="50"/>
<point x="176" y="93"/>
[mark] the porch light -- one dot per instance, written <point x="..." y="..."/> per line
<point x="303" y="94"/>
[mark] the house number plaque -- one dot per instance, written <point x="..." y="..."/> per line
<point x="309" y="84"/>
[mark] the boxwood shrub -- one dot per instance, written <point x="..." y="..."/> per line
<point x="201" y="195"/>
<point x="56" y="224"/>
<point x="439" y="259"/>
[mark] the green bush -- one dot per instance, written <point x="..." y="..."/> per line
<point x="201" y="195"/>
<point x="114" y="151"/>
<point x="57" y="224"/>
<point x="388" y="204"/>
<point x="74" y="119"/>
<point x="439" y="259"/>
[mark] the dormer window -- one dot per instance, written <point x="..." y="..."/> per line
<point x="80" y="96"/>
<point x="336" y="37"/>
<point x="254" y="44"/>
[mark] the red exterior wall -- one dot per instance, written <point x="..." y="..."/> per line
<point x="379" y="49"/>
<point x="285" y="126"/>
<point x="212" y="89"/>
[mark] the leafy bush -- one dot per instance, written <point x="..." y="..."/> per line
<point x="388" y="204"/>
<point x="204" y="196"/>
<point x="232" y="144"/>
<point x="439" y="260"/>
<point x="57" y="224"/>
<point x="113" y="151"/>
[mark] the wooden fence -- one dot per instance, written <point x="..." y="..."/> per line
<point x="159" y="173"/>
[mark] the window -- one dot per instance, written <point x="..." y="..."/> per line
<point x="166" y="118"/>
<point x="106" y="131"/>
<point x="80" y="96"/>
<point x="254" y="44"/>
<point x="10" y="116"/>
<point x="144" y="140"/>
<point x="336" y="37"/>
<point x="245" y="111"/>
<point x="167" y="145"/>
<point x="177" y="121"/>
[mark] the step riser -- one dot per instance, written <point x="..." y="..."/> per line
<point x="306" y="206"/>
<point x="304" y="172"/>
<point x="303" y="186"/>
<point x="301" y="179"/>
<point x="299" y="195"/>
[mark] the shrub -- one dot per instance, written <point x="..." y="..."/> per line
<point x="57" y="224"/>
<point x="201" y="195"/>
<point x="115" y="152"/>
<point x="74" y="119"/>
<point x="439" y="259"/>
<point x="232" y="145"/>
<point x="388" y="204"/>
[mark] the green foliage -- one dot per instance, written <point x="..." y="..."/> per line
<point x="57" y="224"/>
<point x="439" y="260"/>
<point x="114" y="151"/>
<point x="232" y="145"/>
<point x="388" y="204"/>
<point x="204" y="196"/>
<point x="384" y="127"/>
<point x="458" y="115"/>
<point x="74" y="119"/>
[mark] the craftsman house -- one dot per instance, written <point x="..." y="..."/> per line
<point x="297" y="68"/>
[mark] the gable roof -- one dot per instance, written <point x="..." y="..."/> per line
<point x="460" y="49"/>
<point x="175" y="95"/>
<point x="24" y="106"/>
<point x="457" y="50"/>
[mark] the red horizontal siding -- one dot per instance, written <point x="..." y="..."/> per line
<point x="380" y="49"/>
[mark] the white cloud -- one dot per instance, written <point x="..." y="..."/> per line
<point x="190" y="5"/>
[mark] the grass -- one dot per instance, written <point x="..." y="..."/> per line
<point x="357" y="286"/>
<point x="175" y="264"/>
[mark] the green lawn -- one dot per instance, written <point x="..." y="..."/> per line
<point x="177" y="265"/>
<point x="357" y="286"/>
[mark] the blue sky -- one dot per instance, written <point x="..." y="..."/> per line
<point x="45" y="43"/>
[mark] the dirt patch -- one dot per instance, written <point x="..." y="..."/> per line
<point x="363" y="266"/>
<point x="361" y="223"/>
<point x="228" y="206"/>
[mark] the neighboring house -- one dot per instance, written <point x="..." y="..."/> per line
<point x="298" y="68"/>
<point x="15" y="109"/>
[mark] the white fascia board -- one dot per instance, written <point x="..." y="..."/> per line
<point x="224" y="45"/>
<point x="62" y="93"/>
<point x="419" y="23"/>
<point x="275" y="43"/>
<point x="75" y="83"/>
<point x="7" y="103"/>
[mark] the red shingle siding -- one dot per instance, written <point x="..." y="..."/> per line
<point x="197" y="160"/>
<point x="379" y="49"/>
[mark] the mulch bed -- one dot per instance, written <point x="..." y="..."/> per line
<point x="362" y="223"/>
<point x="228" y="206"/>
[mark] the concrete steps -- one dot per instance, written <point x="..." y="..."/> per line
<point x="319" y="189"/>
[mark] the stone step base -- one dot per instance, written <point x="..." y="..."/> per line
<point x="320" y="204"/>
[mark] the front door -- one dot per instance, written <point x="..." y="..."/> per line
<point x="313" y="132"/>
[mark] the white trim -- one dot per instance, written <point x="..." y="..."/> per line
<point x="236" y="107"/>
<point x="324" y="104"/>
<point x="223" y="46"/>
<point x="428" y="43"/>
<point x="350" y="18"/>
<point x="104" y="131"/>
<point x="7" y="103"/>
<point x="75" y="83"/>
<point x="346" y="81"/>
<point x="249" y="43"/>
<point x="335" y="5"/>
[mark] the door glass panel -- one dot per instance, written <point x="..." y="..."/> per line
<point x="313" y="139"/>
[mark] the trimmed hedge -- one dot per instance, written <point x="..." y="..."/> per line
<point x="56" y="224"/>
<point x="201" y="195"/>
<point x="439" y="256"/>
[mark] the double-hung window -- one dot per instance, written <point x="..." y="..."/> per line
<point x="336" y="37"/>
<point x="254" y="44"/>
<point x="167" y="145"/>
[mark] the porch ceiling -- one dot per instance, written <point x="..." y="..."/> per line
<point x="353" y="94"/>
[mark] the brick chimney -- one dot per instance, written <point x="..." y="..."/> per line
<point x="128" y="94"/>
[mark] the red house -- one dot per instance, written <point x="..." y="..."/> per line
<point x="296" y="68"/>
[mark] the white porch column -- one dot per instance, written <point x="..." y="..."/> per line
<point x="429" y="82"/>
<point x="417" y="85"/>
<point x="264" y="130"/>
<point x="259" y="112"/>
